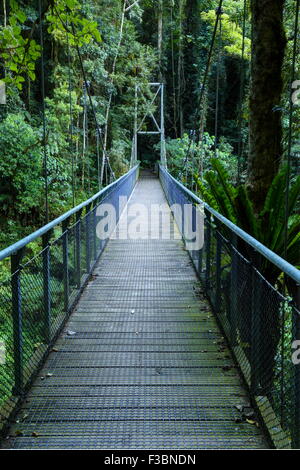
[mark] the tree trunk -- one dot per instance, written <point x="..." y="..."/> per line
<point x="268" y="46"/>
<point x="173" y="25"/>
<point x="4" y="14"/>
<point x="180" y="68"/>
<point x="160" y="36"/>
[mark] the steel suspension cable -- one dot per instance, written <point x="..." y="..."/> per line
<point x="241" y="97"/>
<point x="218" y="86"/>
<point x="218" y="13"/>
<point x="203" y="85"/>
<point x="85" y="82"/>
<point x="290" y="131"/>
<point x="45" y="154"/>
<point x="71" y="122"/>
<point x="104" y="159"/>
<point x="91" y="101"/>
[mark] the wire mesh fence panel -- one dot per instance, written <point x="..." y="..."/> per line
<point x="93" y="235"/>
<point x="33" y="319"/>
<point x="72" y="263"/>
<point x="7" y="376"/>
<point x="56" y="283"/>
<point x="83" y="246"/>
<point x="274" y="372"/>
<point x="210" y="262"/>
<point x="223" y="283"/>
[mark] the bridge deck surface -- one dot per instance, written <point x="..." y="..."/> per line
<point x="146" y="367"/>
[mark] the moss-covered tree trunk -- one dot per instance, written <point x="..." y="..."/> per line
<point x="268" y="45"/>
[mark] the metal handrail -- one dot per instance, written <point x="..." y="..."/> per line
<point x="10" y="250"/>
<point x="272" y="257"/>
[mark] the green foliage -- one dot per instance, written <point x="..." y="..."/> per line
<point x="231" y="34"/>
<point x="72" y="164"/>
<point x="65" y="19"/>
<point x="268" y="226"/>
<point x="18" y="53"/>
<point x="20" y="166"/>
<point x="199" y="156"/>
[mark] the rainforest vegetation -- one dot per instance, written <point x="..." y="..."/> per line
<point x="217" y="98"/>
<point x="69" y="71"/>
<point x="121" y="45"/>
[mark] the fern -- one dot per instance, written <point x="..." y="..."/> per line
<point x="273" y="212"/>
<point x="225" y="203"/>
<point x="246" y="217"/>
<point x="223" y="179"/>
<point x="205" y="193"/>
<point x="268" y="227"/>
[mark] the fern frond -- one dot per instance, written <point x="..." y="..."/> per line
<point x="205" y="194"/>
<point x="246" y="217"/>
<point x="226" y="207"/>
<point x="224" y="180"/>
<point x="273" y="211"/>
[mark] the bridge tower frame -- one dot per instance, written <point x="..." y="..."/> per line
<point x="159" y="128"/>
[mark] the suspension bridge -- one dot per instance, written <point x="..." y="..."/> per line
<point x="119" y="342"/>
<point x="146" y="342"/>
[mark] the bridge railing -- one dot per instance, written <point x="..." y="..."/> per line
<point x="260" y="320"/>
<point x="49" y="269"/>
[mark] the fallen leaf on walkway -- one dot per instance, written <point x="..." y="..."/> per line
<point x="239" y="407"/>
<point x="250" y="421"/>
<point x="71" y="333"/>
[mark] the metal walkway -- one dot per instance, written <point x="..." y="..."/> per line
<point x="142" y="363"/>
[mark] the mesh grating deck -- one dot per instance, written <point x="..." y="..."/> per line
<point x="147" y="367"/>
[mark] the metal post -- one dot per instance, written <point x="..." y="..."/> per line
<point x="207" y="248"/>
<point x="200" y="259"/>
<point x="87" y="238"/>
<point x="162" y="128"/>
<point x="98" y="158"/>
<point x="65" y="264"/>
<point x="296" y="416"/>
<point x="17" y="321"/>
<point x="218" y="272"/>
<point x="233" y="295"/>
<point x="200" y="256"/>
<point x="135" y="125"/>
<point x="78" y="248"/>
<point x="46" y="287"/>
<point x="94" y="233"/>
<point x="98" y="243"/>
<point x="255" y="351"/>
